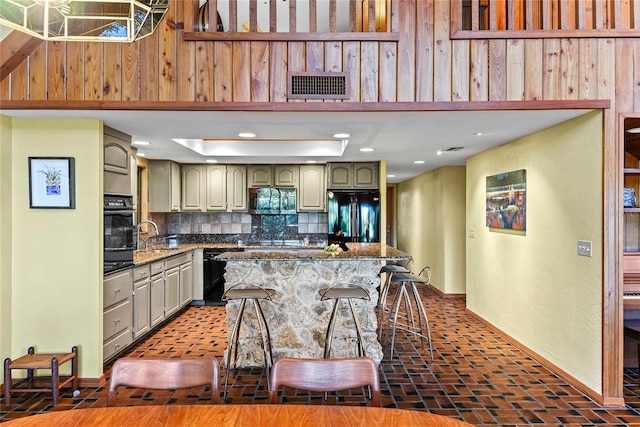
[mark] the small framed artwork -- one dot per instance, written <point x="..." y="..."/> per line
<point x="51" y="183"/>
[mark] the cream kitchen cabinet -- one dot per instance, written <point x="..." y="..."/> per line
<point x="236" y="188"/>
<point x="117" y="162"/>
<point x="286" y="175"/>
<point x="117" y="314"/>
<point x="272" y="176"/>
<point x="164" y="186"/>
<point x="186" y="282"/>
<point x="259" y="176"/>
<point x="171" y="291"/>
<point x="214" y="188"/>
<point x="353" y="176"/>
<point x="141" y="301"/>
<point x="157" y="293"/>
<point x="178" y="282"/>
<point x="312" y="193"/>
<point x="193" y="187"/>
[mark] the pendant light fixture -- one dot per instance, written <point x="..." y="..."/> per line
<point x="84" y="20"/>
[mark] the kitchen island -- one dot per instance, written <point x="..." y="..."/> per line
<point x="296" y="317"/>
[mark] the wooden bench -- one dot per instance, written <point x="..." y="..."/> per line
<point x="38" y="384"/>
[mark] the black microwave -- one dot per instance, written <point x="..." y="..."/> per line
<point x="272" y="201"/>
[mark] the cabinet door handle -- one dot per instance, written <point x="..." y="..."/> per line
<point x="117" y="321"/>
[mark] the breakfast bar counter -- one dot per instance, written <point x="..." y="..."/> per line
<point x="296" y="317"/>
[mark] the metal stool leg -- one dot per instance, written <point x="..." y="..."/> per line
<point x="232" y="353"/>
<point x="266" y="342"/>
<point x="329" y="335"/>
<point x="423" y="312"/>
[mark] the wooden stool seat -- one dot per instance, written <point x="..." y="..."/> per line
<point x="32" y="361"/>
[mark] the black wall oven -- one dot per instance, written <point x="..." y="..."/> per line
<point x="119" y="241"/>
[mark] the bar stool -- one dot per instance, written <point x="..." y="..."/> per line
<point x="253" y="294"/>
<point x="390" y="270"/>
<point x="408" y="294"/>
<point x="340" y="294"/>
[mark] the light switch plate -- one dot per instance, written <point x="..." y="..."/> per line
<point x="584" y="248"/>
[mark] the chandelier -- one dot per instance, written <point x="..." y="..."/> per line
<point x="84" y="20"/>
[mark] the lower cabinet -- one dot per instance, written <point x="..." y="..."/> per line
<point x="186" y="283"/>
<point x="141" y="301"/>
<point x="117" y="314"/>
<point x="157" y="293"/>
<point x="172" y="291"/>
<point x="138" y="299"/>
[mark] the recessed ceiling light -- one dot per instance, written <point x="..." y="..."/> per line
<point x="439" y="152"/>
<point x="341" y="135"/>
<point x="212" y="161"/>
<point x="391" y="176"/>
<point x="311" y="161"/>
<point x="478" y="133"/>
<point x="247" y="135"/>
<point x="419" y="162"/>
<point x="140" y="143"/>
<point x="366" y="149"/>
<point x="633" y="130"/>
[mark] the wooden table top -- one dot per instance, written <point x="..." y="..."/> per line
<point x="238" y="415"/>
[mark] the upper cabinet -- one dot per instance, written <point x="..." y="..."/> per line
<point x="272" y="176"/>
<point x="259" y="176"/>
<point x="353" y="175"/>
<point x="214" y="188"/>
<point x="164" y="186"/>
<point x="117" y="162"/>
<point x="312" y="192"/>
<point x="193" y="187"/>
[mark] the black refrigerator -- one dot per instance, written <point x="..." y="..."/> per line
<point x="354" y="216"/>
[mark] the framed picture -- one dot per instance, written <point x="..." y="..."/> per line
<point x="51" y="182"/>
<point x="507" y="200"/>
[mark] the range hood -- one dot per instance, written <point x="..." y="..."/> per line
<point x="272" y="201"/>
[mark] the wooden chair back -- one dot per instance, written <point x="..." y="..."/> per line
<point x="164" y="374"/>
<point x="325" y="375"/>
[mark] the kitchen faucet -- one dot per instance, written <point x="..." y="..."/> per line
<point x="141" y="223"/>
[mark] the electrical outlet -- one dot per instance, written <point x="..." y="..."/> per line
<point x="584" y="248"/>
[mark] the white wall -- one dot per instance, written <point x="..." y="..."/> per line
<point x="56" y="281"/>
<point x="535" y="287"/>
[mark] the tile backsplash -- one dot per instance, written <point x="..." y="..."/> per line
<point x="231" y="226"/>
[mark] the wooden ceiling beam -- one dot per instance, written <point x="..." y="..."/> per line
<point x="14" y="48"/>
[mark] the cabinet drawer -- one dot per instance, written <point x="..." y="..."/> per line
<point x="178" y="259"/>
<point x="117" y="287"/>
<point x="117" y="319"/>
<point x="157" y="268"/>
<point x="141" y="273"/>
<point x="116" y="344"/>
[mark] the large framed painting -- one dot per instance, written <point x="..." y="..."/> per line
<point x="507" y="200"/>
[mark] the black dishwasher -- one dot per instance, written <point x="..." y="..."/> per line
<point x="213" y="286"/>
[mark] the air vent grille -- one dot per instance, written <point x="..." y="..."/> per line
<point x="318" y="86"/>
<point x="452" y="149"/>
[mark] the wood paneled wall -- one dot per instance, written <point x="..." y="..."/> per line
<point x="423" y="64"/>
<point x="433" y="67"/>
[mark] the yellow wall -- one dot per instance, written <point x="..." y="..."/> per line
<point x="431" y="225"/>
<point x="57" y="253"/>
<point x="5" y="240"/>
<point x="535" y="287"/>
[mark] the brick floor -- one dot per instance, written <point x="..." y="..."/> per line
<point x="476" y="376"/>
